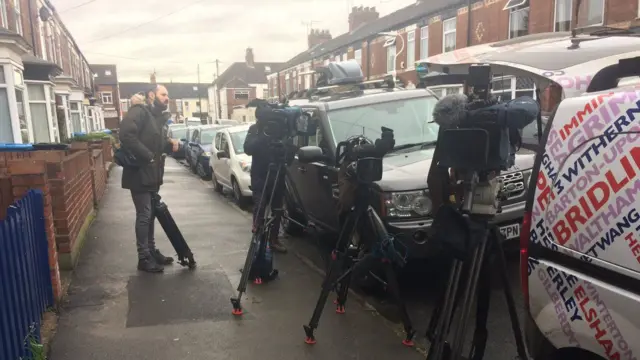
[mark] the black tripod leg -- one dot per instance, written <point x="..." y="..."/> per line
<point x="336" y="267"/>
<point x="394" y="288"/>
<point x="439" y="348"/>
<point x="343" y="285"/>
<point x="244" y="278"/>
<point x="511" y="304"/>
<point x="480" y="335"/>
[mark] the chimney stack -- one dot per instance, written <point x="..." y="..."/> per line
<point x="317" y="37"/>
<point x="362" y="15"/>
<point x="153" y="77"/>
<point x="249" y="58"/>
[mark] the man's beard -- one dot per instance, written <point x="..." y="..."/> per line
<point x="159" y="105"/>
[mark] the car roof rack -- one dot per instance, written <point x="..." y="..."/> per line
<point x="353" y="89"/>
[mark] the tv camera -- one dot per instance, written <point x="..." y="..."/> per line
<point x="278" y="123"/>
<point x="360" y="162"/>
<point x="491" y="133"/>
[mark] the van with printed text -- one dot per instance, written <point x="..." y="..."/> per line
<point x="580" y="244"/>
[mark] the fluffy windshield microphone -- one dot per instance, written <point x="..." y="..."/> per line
<point x="450" y="110"/>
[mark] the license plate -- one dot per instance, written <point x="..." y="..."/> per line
<point x="510" y="231"/>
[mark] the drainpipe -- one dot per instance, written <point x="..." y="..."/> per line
<point x="33" y="32"/>
<point x="468" y="23"/>
<point x="278" y="83"/>
<point x="368" y="57"/>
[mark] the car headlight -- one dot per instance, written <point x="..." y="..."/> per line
<point x="207" y="154"/>
<point x="245" y="165"/>
<point x="407" y="203"/>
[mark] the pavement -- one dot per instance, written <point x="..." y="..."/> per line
<point x="114" y="312"/>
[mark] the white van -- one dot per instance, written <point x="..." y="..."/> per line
<point x="580" y="245"/>
<point x="580" y="242"/>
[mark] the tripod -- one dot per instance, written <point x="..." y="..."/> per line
<point x="256" y="264"/>
<point x="485" y="238"/>
<point x="344" y="264"/>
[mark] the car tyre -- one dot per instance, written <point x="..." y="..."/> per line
<point x="290" y="227"/>
<point x="216" y="185"/>
<point x="202" y="173"/>
<point x="237" y="193"/>
<point x="193" y="165"/>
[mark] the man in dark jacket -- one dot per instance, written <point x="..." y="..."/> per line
<point x="142" y="133"/>
<point x="256" y="144"/>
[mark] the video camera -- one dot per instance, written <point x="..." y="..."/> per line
<point x="280" y="122"/>
<point x="490" y="131"/>
<point x="364" y="157"/>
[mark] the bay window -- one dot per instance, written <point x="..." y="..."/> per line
<point x="510" y="87"/>
<point x="449" y="35"/>
<point x="3" y="14"/>
<point x="17" y="12"/>
<point x="411" y="50"/>
<point x="26" y="130"/>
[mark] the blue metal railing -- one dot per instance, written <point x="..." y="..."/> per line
<point x="25" y="280"/>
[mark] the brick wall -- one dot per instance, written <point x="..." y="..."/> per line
<point x="72" y="197"/>
<point x="98" y="175"/>
<point x="29" y="174"/>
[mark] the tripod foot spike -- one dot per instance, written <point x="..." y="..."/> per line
<point x="340" y="309"/>
<point x="257" y="281"/>
<point x="309" y="339"/>
<point x="237" y="308"/>
<point x="408" y="343"/>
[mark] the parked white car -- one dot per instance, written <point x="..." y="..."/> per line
<point x="230" y="166"/>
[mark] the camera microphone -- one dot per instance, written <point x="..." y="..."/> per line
<point x="450" y="110"/>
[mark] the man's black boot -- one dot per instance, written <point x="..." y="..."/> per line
<point x="161" y="259"/>
<point x="149" y="265"/>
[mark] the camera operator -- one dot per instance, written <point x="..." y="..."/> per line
<point x="142" y="133"/>
<point x="256" y="144"/>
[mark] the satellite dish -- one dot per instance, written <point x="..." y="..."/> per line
<point x="45" y="14"/>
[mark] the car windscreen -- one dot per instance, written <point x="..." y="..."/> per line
<point x="179" y="133"/>
<point x="409" y="119"/>
<point x="237" y="140"/>
<point x="207" y="136"/>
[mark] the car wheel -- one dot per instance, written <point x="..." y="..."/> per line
<point x="216" y="185"/>
<point x="237" y="193"/>
<point x="289" y="226"/>
<point x="201" y="171"/>
<point x="194" y="166"/>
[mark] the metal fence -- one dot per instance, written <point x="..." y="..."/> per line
<point x="25" y="281"/>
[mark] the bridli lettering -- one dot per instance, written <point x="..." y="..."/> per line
<point x="595" y="198"/>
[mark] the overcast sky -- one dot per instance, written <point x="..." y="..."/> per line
<point x="172" y="37"/>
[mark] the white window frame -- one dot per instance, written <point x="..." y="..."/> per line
<point x="110" y="95"/>
<point x="3" y="14"/>
<point x="517" y="10"/>
<point x="46" y="87"/>
<point x="411" y="50"/>
<point x="10" y="85"/>
<point x="391" y="52"/>
<point x="512" y="90"/>
<point x="18" y="12"/>
<point x="79" y="112"/>
<point x="604" y="4"/>
<point x="357" y="56"/>
<point x="441" y="90"/>
<point x="448" y="32"/>
<point x="64" y="96"/>
<point x="18" y="84"/>
<point x="424" y="40"/>
<point x="555" y="13"/>
<point x="242" y="92"/>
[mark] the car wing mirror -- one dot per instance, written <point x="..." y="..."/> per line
<point x="221" y="154"/>
<point x="183" y="140"/>
<point x="309" y="154"/>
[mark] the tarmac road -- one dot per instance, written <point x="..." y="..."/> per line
<point x="421" y="283"/>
